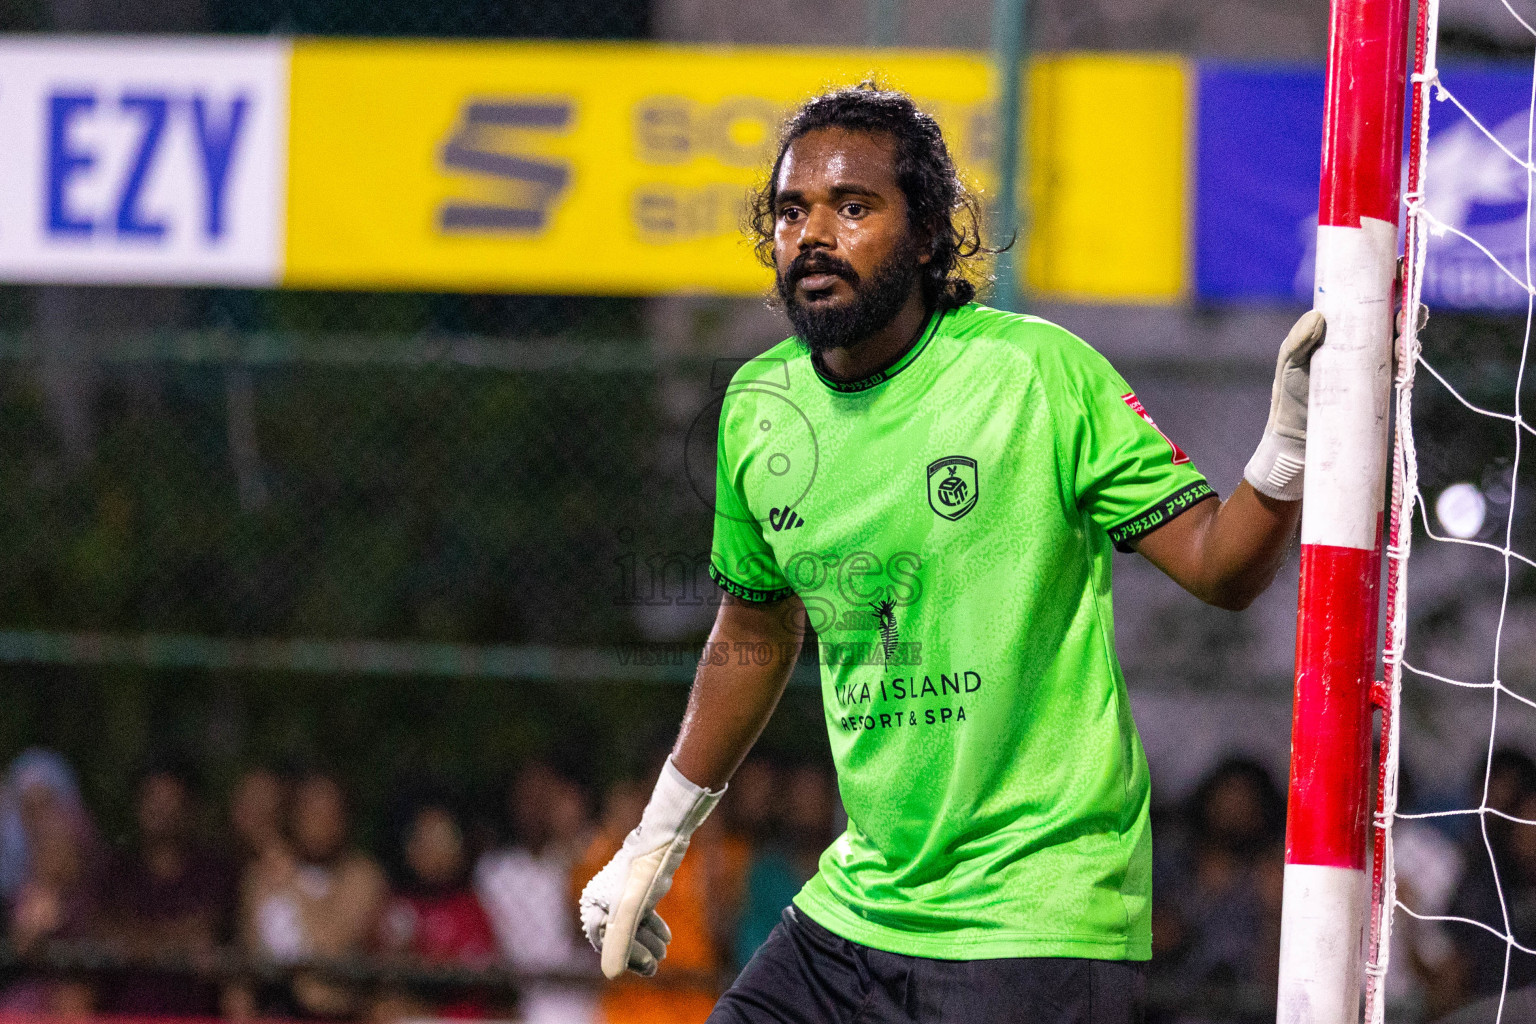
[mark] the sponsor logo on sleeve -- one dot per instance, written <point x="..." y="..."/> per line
<point x="1130" y="399"/>
<point x="784" y="519"/>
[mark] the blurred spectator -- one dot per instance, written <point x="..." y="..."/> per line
<point x="748" y="809"/>
<point x="1509" y="778"/>
<point x="167" y="895"/>
<point x="434" y="917"/>
<point x="1427" y="864"/>
<point x="749" y="821"/>
<point x="54" y="871"/>
<point x="35" y="777"/>
<point x="321" y="900"/>
<point x="785" y="855"/>
<point x="258" y="804"/>
<point x="1481" y="896"/>
<point x="1516" y="1005"/>
<point x="1218" y="914"/>
<point x="528" y="889"/>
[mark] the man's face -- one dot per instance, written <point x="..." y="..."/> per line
<point x="843" y="249"/>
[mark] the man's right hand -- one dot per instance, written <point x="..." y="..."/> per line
<point x="731" y="700"/>
<point x="618" y="906"/>
<point x="1276" y="469"/>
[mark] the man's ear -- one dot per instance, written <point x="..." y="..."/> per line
<point x="927" y="243"/>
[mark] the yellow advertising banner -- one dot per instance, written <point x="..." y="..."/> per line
<point x="622" y="169"/>
<point x="1108" y="198"/>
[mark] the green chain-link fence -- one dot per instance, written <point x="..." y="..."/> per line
<point x="442" y="493"/>
<point x="437" y="511"/>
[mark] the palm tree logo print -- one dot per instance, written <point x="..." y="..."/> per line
<point x="885" y="612"/>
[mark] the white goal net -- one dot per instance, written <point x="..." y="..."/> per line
<point x="1454" y="879"/>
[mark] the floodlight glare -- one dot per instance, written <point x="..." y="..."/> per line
<point x="1460" y="509"/>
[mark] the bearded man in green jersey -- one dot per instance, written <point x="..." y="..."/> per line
<point x="937" y="488"/>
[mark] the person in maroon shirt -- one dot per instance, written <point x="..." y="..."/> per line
<point x="435" y="917"/>
<point x="166" y="895"/>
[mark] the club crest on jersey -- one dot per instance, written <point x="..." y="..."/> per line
<point x="1130" y="399"/>
<point x="952" y="486"/>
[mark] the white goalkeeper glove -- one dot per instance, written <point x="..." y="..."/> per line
<point x="618" y="906"/>
<point x="1276" y="468"/>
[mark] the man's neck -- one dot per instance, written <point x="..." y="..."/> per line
<point x="881" y="349"/>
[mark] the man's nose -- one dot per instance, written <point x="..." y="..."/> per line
<point x="820" y="229"/>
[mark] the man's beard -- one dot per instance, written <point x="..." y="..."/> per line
<point x="825" y="325"/>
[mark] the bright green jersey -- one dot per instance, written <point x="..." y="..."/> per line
<point x="948" y="523"/>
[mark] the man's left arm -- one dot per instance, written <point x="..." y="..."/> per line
<point x="1227" y="552"/>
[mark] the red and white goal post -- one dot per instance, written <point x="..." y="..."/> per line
<point x="1330" y="889"/>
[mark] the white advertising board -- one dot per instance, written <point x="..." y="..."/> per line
<point x="134" y="160"/>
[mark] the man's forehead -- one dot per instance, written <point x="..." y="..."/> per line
<point x="834" y="155"/>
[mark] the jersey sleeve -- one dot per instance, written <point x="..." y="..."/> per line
<point x="1127" y="475"/>
<point x="741" y="562"/>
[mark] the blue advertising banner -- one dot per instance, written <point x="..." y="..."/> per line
<point x="1256" y="184"/>
<point x="1256" y="176"/>
<point x="1476" y="188"/>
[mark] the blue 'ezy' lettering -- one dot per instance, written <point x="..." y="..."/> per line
<point x="216" y="143"/>
<point x="65" y="162"/>
<point x="152" y="110"/>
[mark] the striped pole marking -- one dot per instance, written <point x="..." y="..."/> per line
<point x="1326" y="886"/>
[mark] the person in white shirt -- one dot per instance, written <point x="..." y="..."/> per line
<point x="526" y="889"/>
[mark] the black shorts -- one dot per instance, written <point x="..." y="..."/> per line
<point x="804" y="974"/>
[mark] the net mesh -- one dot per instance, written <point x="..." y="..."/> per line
<point x="1442" y="243"/>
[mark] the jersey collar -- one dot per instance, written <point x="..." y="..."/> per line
<point x="880" y="376"/>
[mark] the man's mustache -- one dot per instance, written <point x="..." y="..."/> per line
<point x="809" y="263"/>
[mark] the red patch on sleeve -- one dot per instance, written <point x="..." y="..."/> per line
<point x="1130" y="399"/>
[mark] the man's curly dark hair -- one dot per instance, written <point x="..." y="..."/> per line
<point x="938" y="203"/>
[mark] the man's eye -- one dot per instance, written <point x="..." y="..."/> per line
<point x="855" y="209"/>
<point x="789" y="213"/>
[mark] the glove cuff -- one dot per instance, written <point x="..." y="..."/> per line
<point x="1277" y="468"/>
<point x="677" y="806"/>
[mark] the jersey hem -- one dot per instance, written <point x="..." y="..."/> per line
<point x="968" y="944"/>
<point x="740" y="591"/>
<point x="1160" y="514"/>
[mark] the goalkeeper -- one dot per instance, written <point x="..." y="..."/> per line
<point x="936" y="487"/>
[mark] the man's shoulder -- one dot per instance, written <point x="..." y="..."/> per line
<point x="1030" y="343"/>
<point x="765" y="383"/>
<point x="780" y="366"/>
<point x="977" y="323"/>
